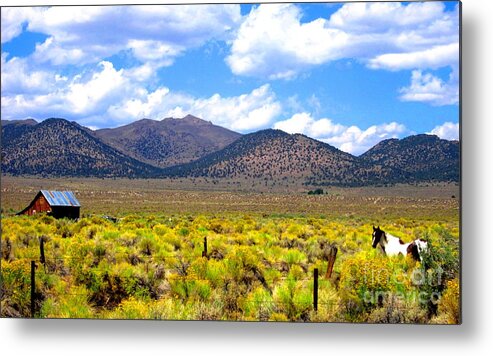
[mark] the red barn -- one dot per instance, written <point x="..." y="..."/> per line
<point x="55" y="203"/>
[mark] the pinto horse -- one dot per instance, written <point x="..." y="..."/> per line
<point x="393" y="246"/>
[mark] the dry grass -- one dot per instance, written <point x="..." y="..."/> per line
<point x="122" y="196"/>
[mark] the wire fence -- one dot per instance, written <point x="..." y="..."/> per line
<point x="53" y="265"/>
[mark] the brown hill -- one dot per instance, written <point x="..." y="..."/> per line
<point x="168" y="142"/>
<point x="12" y="129"/>
<point x="27" y="122"/>
<point x="417" y="158"/>
<point x="275" y="155"/>
<point x="57" y="147"/>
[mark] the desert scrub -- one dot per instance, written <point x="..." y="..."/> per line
<point x="294" y="299"/>
<point x="15" y="292"/>
<point x="189" y="288"/>
<point x="363" y="280"/>
<point x="440" y="263"/>
<point x="258" y="267"/>
<point x="67" y="302"/>
<point x="258" y="305"/>
<point x="396" y="309"/>
<point x="443" y="252"/>
<point x="329" y="303"/>
<point x="449" y="304"/>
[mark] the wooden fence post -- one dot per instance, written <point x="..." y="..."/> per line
<point x="204" y="253"/>
<point x="33" y="288"/>
<point x="315" y="289"/>
<point x="331" y="261"/>
<point x="42" y="250"/>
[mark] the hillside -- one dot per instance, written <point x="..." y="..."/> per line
<point x="57" y="147"/>
<point x="417" y="158"/>
<point x="27" y="122"/>
<point x="11" y="129"/>
<point x="168" y="142"/>
<point x="275" y="155"/>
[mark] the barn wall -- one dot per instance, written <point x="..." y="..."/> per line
<point x="40" y="204"/>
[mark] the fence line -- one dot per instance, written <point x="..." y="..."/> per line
<point x="172" y="277"/>
<point x="144" y="260"/>
<point x="175" y="277"/>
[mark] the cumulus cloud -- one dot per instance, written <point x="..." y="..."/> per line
<point x="19" y="77"/>
<point x="13" y="19"/>
<point x="447" y="131"/>
<point x="82" y="95"/>
<point x="425" y="87"/>
<point x="246" y="112"/>
<point x="273" y="42"/>
<point x="351" y="139"/>
<point x="380" y="16"/>
<point x="70" y="75"/>
<point x="88" y="34"/>
<point x="105" y="96"/>
<point x="435" y="57"/>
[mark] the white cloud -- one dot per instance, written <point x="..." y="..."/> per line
<point x="150" y="50"/>
<point x="18" y="77"/>
<point x="298" y="123"/>
<point x="273" y="42"/>
<point x="447" y="131"/>
<point x="105" y="97"/>
<point x="88" y="34"/>
<point x="13" y="19"/>
<point x="252" y="111"/>
<point x="53" y="52"/>
<point x="94" y="91"/>
<point x="425" y="87"/>
<point x="350" y="139"/>
<point x="357" y="141"/>
<point x="379" y="16"/>
<point x="84" y="94"/>
<point x="83" y="97"/>
<point x="435" y="57"/>
<point x="304" y="123"/>
<point x="241" y="113"/>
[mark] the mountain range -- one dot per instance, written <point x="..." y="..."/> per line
<point x="57" y="147"/>
<point x="192" y="147"/>
<point x="168" y="142"/>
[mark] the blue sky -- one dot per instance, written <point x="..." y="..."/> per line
<point x="346" y="74"/>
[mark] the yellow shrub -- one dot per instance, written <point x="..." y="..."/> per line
<point x="362" y="280"/>
<point x="449" y="305"/>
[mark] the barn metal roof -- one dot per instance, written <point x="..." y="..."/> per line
<point x="56" y="198"/>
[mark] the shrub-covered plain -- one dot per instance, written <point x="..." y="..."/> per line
<point x="259" y="267"/>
